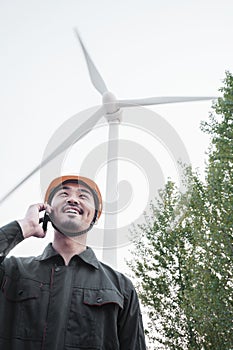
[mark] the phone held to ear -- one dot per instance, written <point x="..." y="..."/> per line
<point x="45" y="221"/>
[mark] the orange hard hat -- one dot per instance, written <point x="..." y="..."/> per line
<point x="59" y="181"/>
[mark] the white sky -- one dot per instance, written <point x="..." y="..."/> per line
<point x="142" y="49"/>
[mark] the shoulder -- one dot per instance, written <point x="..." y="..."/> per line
<point x="120" y="280"/>
<point x="17" y="265"/>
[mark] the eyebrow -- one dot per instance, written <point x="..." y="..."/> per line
<point x="78" y="189"/>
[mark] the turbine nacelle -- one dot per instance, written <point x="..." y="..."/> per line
<point x="111" y="106"/>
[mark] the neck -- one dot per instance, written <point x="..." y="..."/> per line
<point x="67" y="247"/>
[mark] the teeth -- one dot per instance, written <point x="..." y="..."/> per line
<point x="71" y="211"/>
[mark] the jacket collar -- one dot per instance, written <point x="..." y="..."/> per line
<point x="88" y="256"/>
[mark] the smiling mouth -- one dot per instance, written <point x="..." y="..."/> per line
<point x="74" y="211"/>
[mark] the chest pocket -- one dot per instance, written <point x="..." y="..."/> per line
<point x="22" y="313"/>
<point x="93" y="319"/>
<point x="103" y="297"/>
<point x="17" y="291"/>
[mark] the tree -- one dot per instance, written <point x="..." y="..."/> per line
<point x="183" y="258"/>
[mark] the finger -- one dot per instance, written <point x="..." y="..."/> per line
<point x="41" y="206"/>
<point x="49" y="209"/>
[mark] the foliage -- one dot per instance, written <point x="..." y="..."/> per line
<point x="183" y="259"/>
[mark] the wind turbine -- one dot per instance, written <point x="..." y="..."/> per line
<point x="113" y="114"/>
<point x="112" y="110"/>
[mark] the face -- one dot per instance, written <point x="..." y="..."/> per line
<point x="73" y="208"/>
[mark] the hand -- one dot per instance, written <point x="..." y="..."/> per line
<point x="30" y="224"/>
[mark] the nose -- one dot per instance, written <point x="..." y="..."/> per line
<point x="72" y="200"/>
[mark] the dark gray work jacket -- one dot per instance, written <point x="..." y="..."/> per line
<point x="47" y="305"/>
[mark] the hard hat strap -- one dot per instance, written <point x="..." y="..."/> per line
<point x="72" y="234"/>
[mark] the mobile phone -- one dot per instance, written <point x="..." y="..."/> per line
<point x="45" y="221"/>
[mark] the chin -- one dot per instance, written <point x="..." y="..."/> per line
<point x="68" y="226"/>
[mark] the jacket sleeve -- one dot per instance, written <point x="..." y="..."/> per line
<point x="10" y="236"/>
<point x="131" y="332"/>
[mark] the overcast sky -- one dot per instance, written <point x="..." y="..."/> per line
<point x="142" y="49"/>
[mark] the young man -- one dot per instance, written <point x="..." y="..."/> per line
<point x="65" y="299"/>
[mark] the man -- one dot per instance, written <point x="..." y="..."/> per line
<point x="65" y="299"/>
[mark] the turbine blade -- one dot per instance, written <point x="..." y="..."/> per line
<point x="162" y="100"/>
<point x="95" y="76"/>
<point x="75" y="136"/>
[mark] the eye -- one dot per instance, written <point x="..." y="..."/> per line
<point x="63" y="194"/>
<point x="84" y="196"/>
